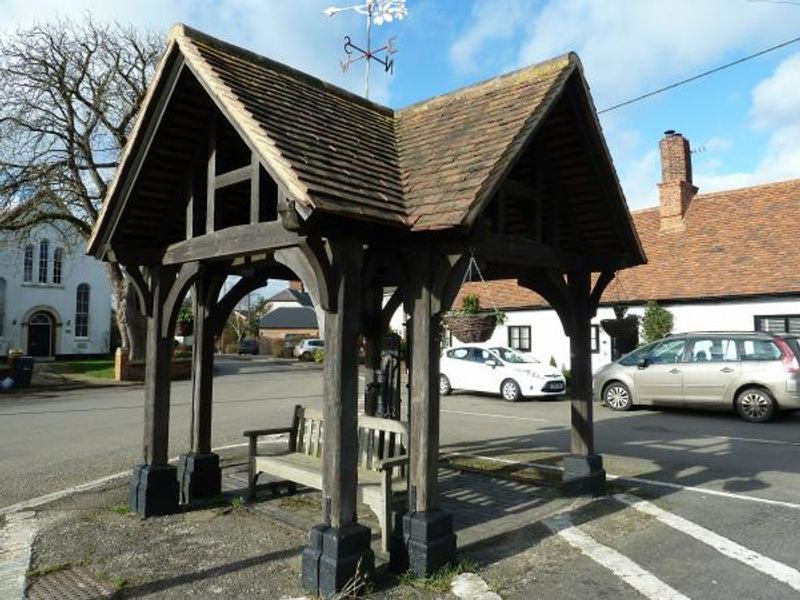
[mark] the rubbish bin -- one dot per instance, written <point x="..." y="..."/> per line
<point x="23" y="371"/>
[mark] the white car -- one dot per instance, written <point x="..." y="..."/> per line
<point x="306" y="348"/>
<point x="498" y="370"/>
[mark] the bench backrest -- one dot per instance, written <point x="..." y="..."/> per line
<point x="378" y="439"/>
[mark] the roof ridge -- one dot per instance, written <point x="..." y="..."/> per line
<point x="191" y="32"/>
<point x="551" y="65"/>
<point x="795" y="180"/>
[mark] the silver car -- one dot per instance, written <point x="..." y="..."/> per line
<point x="754" y="373"/>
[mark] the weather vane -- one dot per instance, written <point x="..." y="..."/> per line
<point x="378" y="12"/>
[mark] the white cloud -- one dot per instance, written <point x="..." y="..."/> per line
<point x="492" y="22"/>
<point x="775" y="102"/>
<point x="630" y="47"/>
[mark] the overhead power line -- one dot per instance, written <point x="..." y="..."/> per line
<point x="700" y="76"/>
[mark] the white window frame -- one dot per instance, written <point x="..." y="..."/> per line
<point x="27" y="264"/>
<point x="82" y="316"/>
<point x="44" y="260"/>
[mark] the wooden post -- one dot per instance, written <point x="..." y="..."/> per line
<point x="340" y="392"/>
<point x="582" y="434"/>
<point x="211" y="177"/>
<point x="373" y="332"/>
<point x="426" y="541"/>
<point x="255" y="191"/>
<point x="199" y="471"/>
<point x="154" y="487"/>
<point x="340" y="545"/>
<point x="202" y="366"/>
<point x="424" y="392"/>
<point x="157" y="373"/>
<point x="583" y="470"/>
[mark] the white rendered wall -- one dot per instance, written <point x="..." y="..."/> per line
<point x="24" y="298"/>
<point x="548" y="339"/>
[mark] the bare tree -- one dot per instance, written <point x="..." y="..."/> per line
<point x="69" y="94"/>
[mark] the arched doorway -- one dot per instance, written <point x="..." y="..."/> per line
<point x="41" y="334"/>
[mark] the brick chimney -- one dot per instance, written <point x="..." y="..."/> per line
<point x="675" y="190"/>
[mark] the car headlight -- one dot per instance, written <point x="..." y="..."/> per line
<point x="534" y="374"/>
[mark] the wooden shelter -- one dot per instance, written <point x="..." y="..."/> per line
<point x="242" y="166"/>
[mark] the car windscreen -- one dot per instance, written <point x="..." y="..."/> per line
<point x="637" y="355"/>
<point x="513" y="357"/>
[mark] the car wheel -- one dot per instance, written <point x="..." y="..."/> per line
<point x="305" y="356"/>
<point x="444" y="386"/>
<point x="755" y="405"/>
<point x="510" y="391"/>
<point x="617" y="396"/>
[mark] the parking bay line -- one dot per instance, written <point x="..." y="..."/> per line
<point x="653" y="482"/>
<point x="723" y="545"/>
<point x="634" y="575"/>
<point x="96" y="483"/>
<point x="474" y="414"/>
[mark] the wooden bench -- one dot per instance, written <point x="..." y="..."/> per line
<point x="381" y="461"/>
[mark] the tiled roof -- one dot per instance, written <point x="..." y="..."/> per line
<point x="428" y="166"/>
<point x="289" y="317"/>
<point x="291" y="295"/>
<point x="453" y="147"/>
<point x="421" y="167"/>
<point x="741" y="242"/>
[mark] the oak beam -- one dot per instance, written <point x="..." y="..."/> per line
<point x="232" y="177"/>
<point x="211" y="177"/>
<point x="232" y="242"/>
<point x="255" y="188"/>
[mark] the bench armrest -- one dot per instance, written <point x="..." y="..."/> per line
<point x="254" y="433"/>
<point x="389" y="463"/>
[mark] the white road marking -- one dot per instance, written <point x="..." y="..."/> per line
<point x="641" y="580"/>
<point x="469" y="586"/>
<point x="96" y="483"/>
<point x="653" y="482"/>
<point x="474" y="414"/>
<point x="16" y="539"/>
<point x="729" y="548"/>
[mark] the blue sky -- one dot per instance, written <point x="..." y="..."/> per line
<point x="746" y="120"/>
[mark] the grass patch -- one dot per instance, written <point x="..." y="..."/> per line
<point x="237" y="502"/>
<point x="116" y="581"/>
<point x="441" y="579"/>
<point x="120" y="509"/>
<point x="99" y="368"/>
<point x="46" y="570"/>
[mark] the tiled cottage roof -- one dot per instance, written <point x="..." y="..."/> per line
<point x="740" y="242"/>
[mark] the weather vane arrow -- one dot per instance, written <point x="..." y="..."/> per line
<point x="377" y="12"/>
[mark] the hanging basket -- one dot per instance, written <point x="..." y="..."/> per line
<point x="621" y="328"/>
<point x="184" y="328"/>
<point x="471" y="329"/>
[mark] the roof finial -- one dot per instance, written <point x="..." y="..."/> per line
<point x="379" y="12"/>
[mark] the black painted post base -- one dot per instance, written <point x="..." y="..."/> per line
<point x="584" y="475"/>
<point x="200" y="476"/>
<point x="423" y="542"/>
<point x="335" y="557"/>
<point x="154" y="490"/>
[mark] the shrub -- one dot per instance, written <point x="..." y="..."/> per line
<point x="277" y="346"/>
<point x="319" y="355"/>
<point x="657" y="322"/>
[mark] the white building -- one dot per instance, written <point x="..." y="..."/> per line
<point x="721" y="261"/>
<point x="54" y="300"/>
